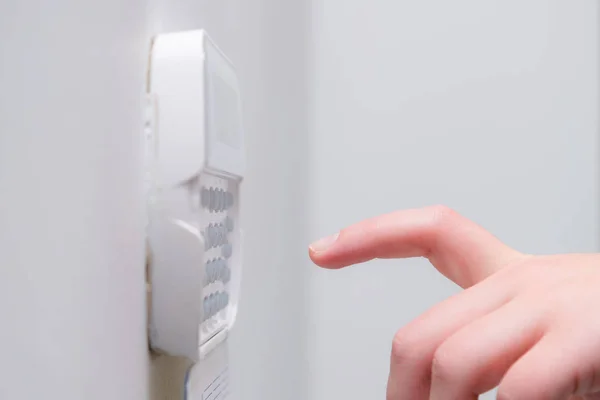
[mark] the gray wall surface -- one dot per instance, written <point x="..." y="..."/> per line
<point x="489" y="107"/>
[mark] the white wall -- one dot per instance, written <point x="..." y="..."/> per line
<point x="489" y="107"/>
<point x="71" y="275"/>
<point x="71" y="242"/>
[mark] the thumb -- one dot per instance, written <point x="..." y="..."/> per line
<point x="460" y="249"/>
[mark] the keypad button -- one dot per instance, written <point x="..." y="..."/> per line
<point x="217" y="236"/>
<point x="217" y="204"/>
<point x="222" y="234"/>
<point x="208" y="237"/>
<point x="210" y="271"/>
<point x="204" y="197"/>
<point x="217" y="270"/>
<point x="217" y="303"/>
<point x="207" y="270"/>
<point x="229" y="223"/>
<point x="211" y="305"/>
<point x="214" y="235"/>
<point x="205" y="308"/>
<point x="207" y="243"/>
<point x="211" y="199"/>
<point x="223" y="301"/>
<point x="206" y="305"/>
<point x="217" y="200"/>
<point x="224" y="272"/>
<point x="229" y="199"/>
<point x="214" y="270"/>
<point x="218" y="300"/>
<point x="223" y="200"/>
<point x="227" y="250"/>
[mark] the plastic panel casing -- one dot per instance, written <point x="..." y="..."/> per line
<point x="195" y="166"/>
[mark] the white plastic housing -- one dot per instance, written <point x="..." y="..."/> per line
<point x="209" y="379"/>
<point x="195" y="167"/>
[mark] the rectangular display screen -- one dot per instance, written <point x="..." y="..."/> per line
<point x="225" y="151"/>
<point x="226" y="112"/>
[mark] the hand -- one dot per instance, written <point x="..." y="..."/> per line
<point x="528" y="324"/>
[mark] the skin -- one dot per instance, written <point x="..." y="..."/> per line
<point x="529" y="325"/>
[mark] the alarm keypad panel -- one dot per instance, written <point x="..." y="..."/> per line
<point x="195" y="169"/>
<point x="217" y="209"/>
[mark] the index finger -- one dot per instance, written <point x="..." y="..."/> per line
<point x="460" y="249"/>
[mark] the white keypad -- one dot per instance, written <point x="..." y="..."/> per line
<point x="218" y="212"/>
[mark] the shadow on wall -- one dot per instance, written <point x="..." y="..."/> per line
<point x="166" y="377"/>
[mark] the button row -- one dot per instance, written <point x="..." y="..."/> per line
<point x="215" y="200"/>
<point x="213" y="303"/>
<point x="216" y="235"/>
<point x="217" y="270"/>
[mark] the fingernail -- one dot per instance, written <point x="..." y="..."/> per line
<point x="323" y="244"/>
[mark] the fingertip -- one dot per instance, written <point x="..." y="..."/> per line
<point x="314" y="257"/>
<point x="319" y="259"/>
<point x="323" y="244"/>
<point x="320" y="250"/>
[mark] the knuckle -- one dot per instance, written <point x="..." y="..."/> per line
<point x="442" y="213"/>
<point x="447" y="364"/>
<point x="530" y="273"/>
<point x="524" y="386"/>
<point x="406" y="347"/>
<point x="530" y="267"/>
<point x="443" y="218"/>
<point x="514" y="392"/>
